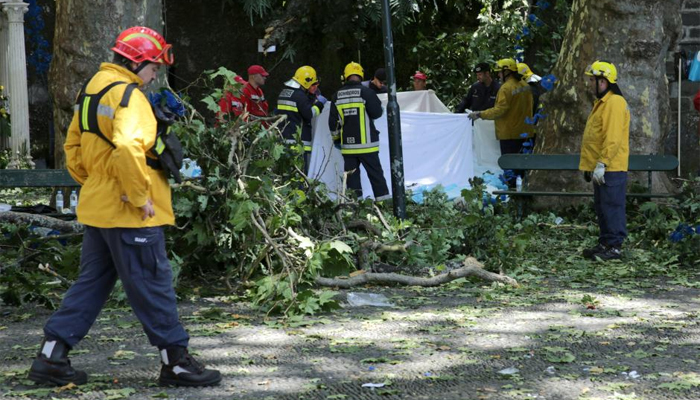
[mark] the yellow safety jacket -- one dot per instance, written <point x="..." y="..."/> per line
<point x="513" y="105"/>
<point x="107" y="173"/>
<point x="607" y="135"/>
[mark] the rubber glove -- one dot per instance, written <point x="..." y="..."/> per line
<point x="322" y="99"/>
<point x="599" y="174"/>
<point x="475" y="115"/>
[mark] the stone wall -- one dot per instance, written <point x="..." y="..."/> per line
<point x="690" y="118"/>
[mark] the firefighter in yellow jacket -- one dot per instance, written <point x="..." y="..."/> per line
<point x="513" y="105"/>
<point x="605" y="157"/>
<point x="354" y="109"/>
<point x="124" y="205"/>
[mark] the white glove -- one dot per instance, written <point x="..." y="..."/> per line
<point x="599" y="174"/>
<point x="475" y="115"/>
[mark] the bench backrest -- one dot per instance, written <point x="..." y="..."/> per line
<point x="570" y="162"/>
<point x="36" y="178"/>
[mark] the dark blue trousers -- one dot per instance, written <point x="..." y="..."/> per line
<point x="513" y="146"/>
<point x="137" y="257"/>
<point x="375" y="173"/>
<point x="609" y="204"/>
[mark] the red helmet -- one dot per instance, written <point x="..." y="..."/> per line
<point x="140" y="44"/>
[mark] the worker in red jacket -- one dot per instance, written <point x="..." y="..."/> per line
<point x="231" y="102"/>
<point x="251" y="97"/>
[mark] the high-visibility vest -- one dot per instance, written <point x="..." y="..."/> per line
<point x="351" y="121"/>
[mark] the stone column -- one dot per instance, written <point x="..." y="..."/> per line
<point x="19" y="102"/>
<point x="4" y="80"/>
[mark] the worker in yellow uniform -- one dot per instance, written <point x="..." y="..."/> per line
<point x="604" y="159"/>
<point x="125" y="205"/>
<point x="513" y="105"/>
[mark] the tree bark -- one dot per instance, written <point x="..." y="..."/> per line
<point x="635" y="35"/>
<point x="85" y="33"/>
<point x="471" y="268"/>
<point x="41" y="220"/>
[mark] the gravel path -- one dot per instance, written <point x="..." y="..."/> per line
<point x="457" y="342"/>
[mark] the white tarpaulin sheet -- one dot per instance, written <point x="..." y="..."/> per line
<point x="486" y="148"/>
<point x="438" y="147"/>
<point x="420" y="101"/>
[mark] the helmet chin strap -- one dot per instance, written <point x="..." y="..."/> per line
<point x="598" y="94"/>
<point x="140" y="67"/>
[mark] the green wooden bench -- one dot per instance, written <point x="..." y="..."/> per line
<point x="12" y="178"/>
<point x="38" y="178"/>
<point x="570" y="162"/>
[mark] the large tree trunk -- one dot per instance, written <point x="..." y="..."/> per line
<point x="85" y="33"/>
<point x="635" y="35"/>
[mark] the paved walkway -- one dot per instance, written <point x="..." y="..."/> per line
<point x="458" y="342"/>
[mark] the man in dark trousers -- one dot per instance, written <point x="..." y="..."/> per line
<point x="482" y="94"/>
<point x="300" y="101"/>
<point x="605" y="155"/>
<point x="353" y="111"/>
<point x="513" y="106"/>
<point x="124" y="206"/>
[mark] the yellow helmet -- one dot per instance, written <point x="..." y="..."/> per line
<point x="524" y="70"/>
<point x="507" y="64"/>
<point x="305" y="76"/>
<point x="604" y="69"/>
<point x="354" y="68"/>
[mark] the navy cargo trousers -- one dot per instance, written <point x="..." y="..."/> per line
<point x="609" y="203"/>
<point x="138" y="258"/>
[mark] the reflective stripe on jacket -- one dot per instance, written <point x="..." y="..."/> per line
<point x="106" y="173"/>
<point x="513" y="105"/>
<point x="353" y="111"/>
<point x="300" y="108"/>
<point x="607" y="135"/>
<point x="254" y="101"/>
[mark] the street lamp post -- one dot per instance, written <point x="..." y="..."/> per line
<point x="393" y="119"/>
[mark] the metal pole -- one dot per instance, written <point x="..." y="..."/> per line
<point x="680" y="79"/>
<point x="393" y="119"/>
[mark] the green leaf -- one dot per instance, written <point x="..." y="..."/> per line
<point x="340" y="247"/>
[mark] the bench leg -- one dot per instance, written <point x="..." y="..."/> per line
<point x="520" y="210"/>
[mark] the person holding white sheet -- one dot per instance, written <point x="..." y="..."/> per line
<point x="353" y="111"/>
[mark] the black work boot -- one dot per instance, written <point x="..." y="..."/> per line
<point x="588" y="253"/>
<point x="52" y="366"/>
<point x="181" y="369"/>
<point x="610" y="253"/>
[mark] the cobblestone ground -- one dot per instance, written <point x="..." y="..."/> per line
<point x="458" y="342"/>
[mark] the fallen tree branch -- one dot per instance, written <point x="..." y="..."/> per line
<point x="366" y="225"/>
<point x="471" y="268"/>
<point x="366" y="247"/>
<point x="56" y="237"/>
<point x="47" y="268"/>
<point x="41" y="220"/>
<point x="381" y="217"/>
<point x="269" y="240"/>
<point x="196" y="188"/>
